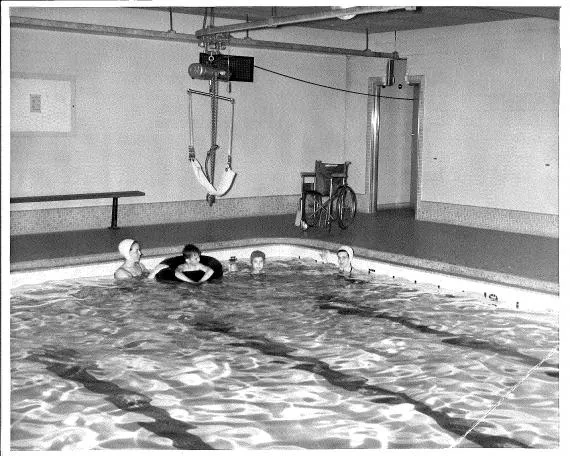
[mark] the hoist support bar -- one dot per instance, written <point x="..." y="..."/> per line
<point x="231" y="137"/>
<point x="209" y="95"/>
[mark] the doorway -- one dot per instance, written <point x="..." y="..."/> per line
<point x="394" y="142"/>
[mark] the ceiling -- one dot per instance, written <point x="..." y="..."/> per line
<point x="422" y="17"/>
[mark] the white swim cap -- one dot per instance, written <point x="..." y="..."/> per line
<point x="125" y="247"/>
<point x="347" y="249"/>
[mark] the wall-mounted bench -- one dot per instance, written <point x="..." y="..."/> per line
<point x="80" y="196"/>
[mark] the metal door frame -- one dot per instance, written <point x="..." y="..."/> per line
<point x="373" y="140"/>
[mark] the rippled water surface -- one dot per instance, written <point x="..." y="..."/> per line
<point x="296" y="359"/>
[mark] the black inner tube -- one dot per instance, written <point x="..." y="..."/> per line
<point x="167" y="274"/>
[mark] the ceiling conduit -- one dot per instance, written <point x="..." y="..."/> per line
<point x="272" y="22"/>
<point x="93" y="29"/>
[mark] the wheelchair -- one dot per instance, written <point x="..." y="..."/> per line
<point x="326" y="197"/>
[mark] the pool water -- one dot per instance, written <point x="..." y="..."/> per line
<point x="298" y="358"/>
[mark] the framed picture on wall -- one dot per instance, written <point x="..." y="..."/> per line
<point x="42" y="104"/>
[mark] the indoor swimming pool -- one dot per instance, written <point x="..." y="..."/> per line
<point x="296" y="358"/>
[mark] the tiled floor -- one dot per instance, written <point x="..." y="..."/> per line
<point x="391" y="231"/>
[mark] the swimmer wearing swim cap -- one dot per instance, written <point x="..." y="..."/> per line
<point x="130" y="250"/>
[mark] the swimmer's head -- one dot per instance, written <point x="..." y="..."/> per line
<point x="348" y="250"/>
<point x="345" y="255"/>
<point x="190" y="251"/>
<point x="257" y="259"/>
<point x="130" y="249"/>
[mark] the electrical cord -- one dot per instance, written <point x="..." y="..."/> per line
<point x="328" y="87"/>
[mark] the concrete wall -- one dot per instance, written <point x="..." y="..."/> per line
<point x="489" y="127"/>
<point x="132" y="123"/>
<point x="489" y="154"/>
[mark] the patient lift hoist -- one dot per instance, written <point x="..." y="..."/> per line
<point x="206" y="178"/>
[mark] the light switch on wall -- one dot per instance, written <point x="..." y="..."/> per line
<point x="35" y="103"/>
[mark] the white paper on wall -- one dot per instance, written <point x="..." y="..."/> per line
<point x="41" y="105"/>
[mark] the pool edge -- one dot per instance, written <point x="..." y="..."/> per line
<point x="386" y="257"/>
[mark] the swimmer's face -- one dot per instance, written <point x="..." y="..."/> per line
<point x="192" y="258"/>
<point x="257" y="264"/>
<point x="343" y="261"/>
<point x="135" y="251"/>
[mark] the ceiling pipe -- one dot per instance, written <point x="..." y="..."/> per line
<point x="106" y="30"/>
<point x="94" y="29"/>
<point x="294" y="47"/>
<point x="273" y="22"/>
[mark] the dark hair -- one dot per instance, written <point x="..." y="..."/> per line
<point x="189" y="249"/>
<point x="257" y="254"/>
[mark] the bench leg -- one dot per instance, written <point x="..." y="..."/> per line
<point x="114" y="213"/>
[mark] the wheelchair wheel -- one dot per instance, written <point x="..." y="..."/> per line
<point x="345" y="206"/>
<point x="312" y="203"/>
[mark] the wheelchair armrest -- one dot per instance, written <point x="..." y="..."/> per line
<point x="307" y="174"/>
<point x="336" y="175"/>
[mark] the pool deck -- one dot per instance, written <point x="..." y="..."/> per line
<point x="392" y="236"/>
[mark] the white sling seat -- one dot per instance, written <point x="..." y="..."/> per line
<point x="224" y="185"/>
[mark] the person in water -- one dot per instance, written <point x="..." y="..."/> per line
<point x="131" y="267"/>
<point x="344" y="256"/>
<point x="257" y="260"/>
<point x="190" y="267"/>
<point x="192" y="263"/>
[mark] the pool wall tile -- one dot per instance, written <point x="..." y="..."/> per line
<point x="94" y="217"/>
<point x="489" y="218"/>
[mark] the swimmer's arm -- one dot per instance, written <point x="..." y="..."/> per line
<point x="144" y="269"/>
<point x="328" y="257"/>
<point x="156" y="270"/>
<point x="122" y="274"/>
<point x="179" y="273"/>
<point x="208" y="271"/>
